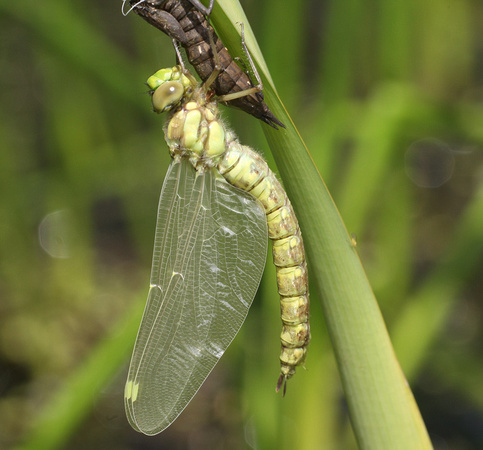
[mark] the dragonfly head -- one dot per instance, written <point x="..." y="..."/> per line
<point x="168" y="88"/>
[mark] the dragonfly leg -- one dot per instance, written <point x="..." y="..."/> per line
<point x="179" y="57"/>
<point x="218" y="67"/>
<point x="202" y="8"/>
<point x="255" y="89"/>
<point x="180" y="62"/>
<point x="216" y="58"/>
<point x="249" y="57"/>
<point x="206" y="11"/>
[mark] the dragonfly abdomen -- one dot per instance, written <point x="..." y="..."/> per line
<point x="244" y="168"/>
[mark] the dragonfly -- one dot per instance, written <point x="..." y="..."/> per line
<point x="187" y="23"/>
<point x="219" y="203"/>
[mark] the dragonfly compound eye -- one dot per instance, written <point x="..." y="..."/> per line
<point x="167" y="95"/>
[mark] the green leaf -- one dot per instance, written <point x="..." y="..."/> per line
<point x="382" y="408"/>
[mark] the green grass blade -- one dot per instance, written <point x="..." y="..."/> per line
<point x="382" y="408"/>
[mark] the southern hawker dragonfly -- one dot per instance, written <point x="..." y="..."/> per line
<point x="218" y="204"/>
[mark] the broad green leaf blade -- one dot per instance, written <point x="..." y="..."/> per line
<point x="209" y="255"/>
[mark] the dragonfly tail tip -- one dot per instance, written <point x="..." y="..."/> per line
<point x="282" y="380"/>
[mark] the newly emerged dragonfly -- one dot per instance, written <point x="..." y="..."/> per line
<point x="218" y="204"/>
<point x="185" y="21"/>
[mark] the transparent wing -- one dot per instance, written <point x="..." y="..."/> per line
<point x="209" y="255"/>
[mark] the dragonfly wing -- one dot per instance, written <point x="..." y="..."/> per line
<point x="209" y="255"/>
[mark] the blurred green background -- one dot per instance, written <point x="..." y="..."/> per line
<point x="388" y="96"/>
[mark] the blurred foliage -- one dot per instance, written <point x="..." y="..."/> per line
<point x="388" y="97"/>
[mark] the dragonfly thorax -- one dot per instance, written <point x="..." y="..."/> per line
<point x="194" y="129"/>
<point x="196" y="132"/>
